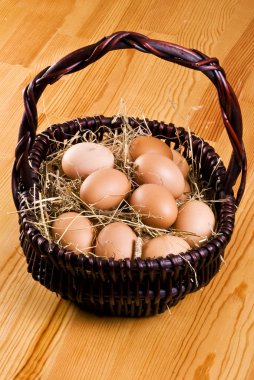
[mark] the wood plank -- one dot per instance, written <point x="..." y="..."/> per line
<point x="210" y="334"/>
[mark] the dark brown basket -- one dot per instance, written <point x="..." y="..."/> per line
<point x="127" y="287"/>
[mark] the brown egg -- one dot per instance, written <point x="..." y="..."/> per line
<point x="148" y="144"/>
<point x="181" y="163"/>
<point x="105" y="188"/>
<point x="84" y="158"/>
<point x="116" y="240"/>
<point x="160" y="170"/>
<point x="156" y="206"/>
<point x="162" y="246"/>
<point x="183" y="198"/>
<point x="196" y="217"/>
<point x="74" y="231"/>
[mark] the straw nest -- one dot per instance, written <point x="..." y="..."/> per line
<point x="60" y="194"/>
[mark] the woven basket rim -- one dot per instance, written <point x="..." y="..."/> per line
<point x="167" y="261"/>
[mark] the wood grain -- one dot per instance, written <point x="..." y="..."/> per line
<point x="210" y="334"/>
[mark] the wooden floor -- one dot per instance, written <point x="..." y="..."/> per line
<point x="210" y="334"/>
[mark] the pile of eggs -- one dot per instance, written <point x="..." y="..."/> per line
<point x="161" y="177"/>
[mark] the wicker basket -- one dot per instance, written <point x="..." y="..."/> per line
<point x="127" y="287"/>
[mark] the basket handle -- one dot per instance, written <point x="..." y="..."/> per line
<point x="83" y="57"/>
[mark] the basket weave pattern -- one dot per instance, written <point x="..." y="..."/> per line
<point x="127" y="287"/>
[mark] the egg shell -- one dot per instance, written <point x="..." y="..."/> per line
<point x="105" y="188"/>
<point x="84" y="158"/>
<point x="156" y="206"/>
<point x="148" y="144"/>
<point x="116" y="240"/>
<point x="160" y="170"/>
<point x="196" y="217"/>
<point x="181" y="163"/>
<point x="74" y="231"/>
<point x="162" y="246"/>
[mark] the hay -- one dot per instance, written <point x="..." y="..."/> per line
<point x="60" y="194"/>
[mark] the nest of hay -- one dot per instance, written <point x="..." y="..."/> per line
<point x="59" y="193"/>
